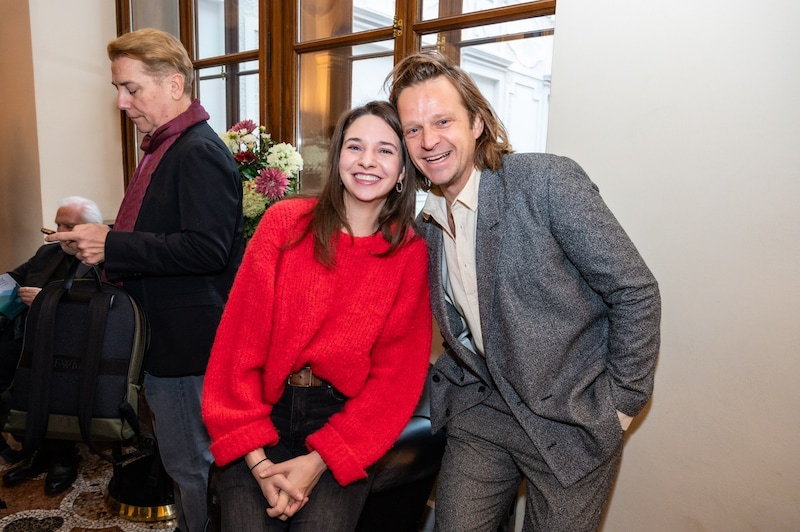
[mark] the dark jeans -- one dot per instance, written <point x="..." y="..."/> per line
<point x="182" y="443"/>
<point x="331" y="507"/>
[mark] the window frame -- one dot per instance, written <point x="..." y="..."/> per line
<point x="279" y="52"/>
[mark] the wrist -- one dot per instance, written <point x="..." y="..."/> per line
<point x="256" y="459"/>
<point x="320" y="463"/>
<point x="258" y="463"/>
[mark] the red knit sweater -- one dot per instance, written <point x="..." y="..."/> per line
<point x="364" y="326"/>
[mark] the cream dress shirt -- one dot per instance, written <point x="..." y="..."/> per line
<point x="458" y="272"/>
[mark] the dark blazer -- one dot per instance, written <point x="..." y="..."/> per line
<point x="569" y="312"/>
<point x="41" y="268"/>
<point x="180" y="260"/>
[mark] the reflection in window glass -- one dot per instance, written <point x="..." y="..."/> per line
<point x="248" y="92"/>
<point x="210" y="29"/>
<point x="432" y="9"/>
<point x="160" y="14"/>
<point x="218" y="86"/>
<point x="217" y="35"/>
<point x="320" y="19"/>
<point x="331" y="82"/>
<point x="212" y="94"/>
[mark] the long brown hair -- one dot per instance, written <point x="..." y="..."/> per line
<point x="424" y="66"/>
<point x="329" y="217"/>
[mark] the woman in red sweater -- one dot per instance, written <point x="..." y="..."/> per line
<point x="322" y="350"/>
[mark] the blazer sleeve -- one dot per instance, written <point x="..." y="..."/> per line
<point x="189" y="215"/>
<point x="597" y="245"/>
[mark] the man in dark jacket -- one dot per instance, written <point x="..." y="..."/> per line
<point x="175" y="246"/>
<point x="50" y="263"/>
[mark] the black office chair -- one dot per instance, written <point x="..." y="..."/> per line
<point x="405" y="476"/>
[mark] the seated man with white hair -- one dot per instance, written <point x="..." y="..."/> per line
<point x="50" y="263"/>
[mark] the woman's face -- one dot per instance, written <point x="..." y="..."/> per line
<point x="369" y="162"/>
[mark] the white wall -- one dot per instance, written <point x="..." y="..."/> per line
<point x="79" y="126"/>
<point x="20" y="207"/>
<point x="58" y="115"/>
<point x="686" y="114"/>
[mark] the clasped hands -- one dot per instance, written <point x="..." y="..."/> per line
<point x="287" y="485"/>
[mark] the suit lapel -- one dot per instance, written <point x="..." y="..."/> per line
<point x="488" y="244"/>
<point x="433" y="237"/>
<point x="451" y="324"/>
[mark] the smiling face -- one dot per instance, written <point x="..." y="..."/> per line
<point x="369" y="163"/>
<point x="439" y="134"/>
<point x="149" y="102"/>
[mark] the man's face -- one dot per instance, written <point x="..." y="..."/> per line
<point x="439" y="134"/>
<point x="149" y="102"/>
<point x="68" y="217"/>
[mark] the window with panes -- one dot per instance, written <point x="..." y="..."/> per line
<point x="295" y="65"/>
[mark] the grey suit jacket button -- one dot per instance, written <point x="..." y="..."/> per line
<point x="436" y="378"/>
<point x="447" y="412"/>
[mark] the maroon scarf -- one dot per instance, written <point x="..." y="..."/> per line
<point x="154" y="147"/>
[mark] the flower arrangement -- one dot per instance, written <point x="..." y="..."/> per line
<point x="269" y="170"/>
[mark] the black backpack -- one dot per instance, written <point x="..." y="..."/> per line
<point x="80" y="373"/>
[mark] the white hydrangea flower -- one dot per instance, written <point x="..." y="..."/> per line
<point x="285" y="157"/>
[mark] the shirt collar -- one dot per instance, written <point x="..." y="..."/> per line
<point x="436" y="205"/>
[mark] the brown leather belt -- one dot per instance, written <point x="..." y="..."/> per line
<point x="305" y="379"/>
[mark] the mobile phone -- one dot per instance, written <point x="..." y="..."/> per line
<point x="46" y="231"/>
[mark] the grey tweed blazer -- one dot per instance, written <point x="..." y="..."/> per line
<point x="569" y="311"/>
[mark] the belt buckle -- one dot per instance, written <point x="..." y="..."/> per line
<point x="309" y="383"/>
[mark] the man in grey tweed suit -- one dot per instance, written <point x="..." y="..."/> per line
<point x="549" y="314"/>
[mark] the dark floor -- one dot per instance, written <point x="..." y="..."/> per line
<point x="27" y="509"/>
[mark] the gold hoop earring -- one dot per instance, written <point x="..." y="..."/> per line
<point x="399" y="186"/>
